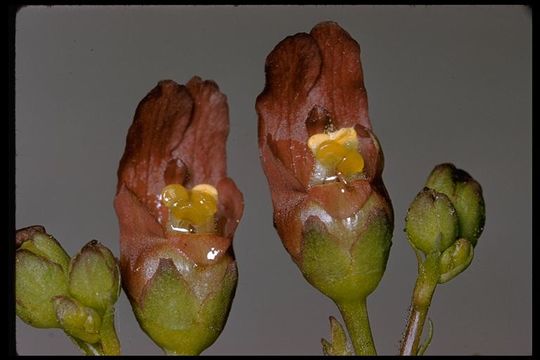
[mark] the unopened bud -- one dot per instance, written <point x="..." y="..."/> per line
<point x="431" y="223"/>
<point x="40" y="274"/>
<point x="465" y="193"/>
<point x="36" y="240"/>
<point x="94" y="278"/>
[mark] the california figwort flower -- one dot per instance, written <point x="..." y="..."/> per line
<point x="323" y="164"/>
<point x="178" y="212"/>
<point x="76" y="295"/>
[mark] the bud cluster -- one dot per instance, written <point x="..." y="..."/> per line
<point x="76" y="295"/>
<point x="446" y="218"/>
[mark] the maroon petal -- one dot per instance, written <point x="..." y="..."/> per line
<point x="340" y="87"/>
<point x="159" y="127"/>
<point x="312" y="81"/>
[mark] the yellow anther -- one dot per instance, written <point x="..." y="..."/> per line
<point x="352" y="163"/>
<point x="346" y="137"/>
<point x="206" y="188"/>
<point x="204" y="205"/>
<point x="174" y="195"/>
<point x="182" y="212"/>
<point x="338" y="151"/>
<point x="316" y="140"/>
<point x="330" y="153"/>
<point x="194" y="207"/>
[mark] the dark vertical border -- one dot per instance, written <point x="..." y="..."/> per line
<point x="533" y="314"/>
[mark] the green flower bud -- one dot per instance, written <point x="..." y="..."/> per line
<point x="36" y="240"/>
<point x="455" y="259"/>
<point x="77" y="320"/>
<point x="40" y="274"/>
<point x="37" y="281"/>
<point x="184" y="306"/>
<point x="465" y="193"/>
<point x="94" y="277"/>
<point x="431" y="223"/>
<point x="345" y="259"/>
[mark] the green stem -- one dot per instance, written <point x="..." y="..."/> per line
<point x="356" y="319"/>
<point x="87" y="349"/>
<point x="109" y="339"/>
<point x="428" y="278"/>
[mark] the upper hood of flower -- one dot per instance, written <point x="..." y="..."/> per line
<point x="179" y="136"/>
<point x="314" y="81"/>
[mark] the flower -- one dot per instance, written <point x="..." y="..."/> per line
<point x="324" y="164"/>
<point x="178" y="212"/>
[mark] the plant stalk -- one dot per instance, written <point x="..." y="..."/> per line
<point x="428" y="278"/>
<point x="356" y="319"/>
<point x="109" y="339"/>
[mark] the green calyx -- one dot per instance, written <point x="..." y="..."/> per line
<point x="346" y="259"/>
<point x="180" y="311"/>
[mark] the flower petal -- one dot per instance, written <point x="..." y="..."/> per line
<point x="149" y="161"/>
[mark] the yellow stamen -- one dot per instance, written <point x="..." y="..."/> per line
<point x="330" y="153"/>
<point x="316" y="140"/>
<point x="203" y="205"/>
<point x="352" y="163"/>
<point x="173" y="195"/>
<point x="206" y="188"/>
<point x="346" y="137"/>
<point x="337" y="151"/>
<point x="195" y="207"/>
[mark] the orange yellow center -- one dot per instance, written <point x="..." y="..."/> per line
<point x="338" y="151"/>
<point x="195" y="207"/>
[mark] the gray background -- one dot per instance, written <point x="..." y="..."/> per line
<point x="444" y="84"/>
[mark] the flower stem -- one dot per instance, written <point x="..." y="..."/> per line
<point x="428" y="277"/>
<point x="109" y="339"/>
<point x="87" y="349"/>
<point x="356" y="319"/>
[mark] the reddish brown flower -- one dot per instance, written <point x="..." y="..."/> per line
<point x="178" y="136"/>
<point x="314" y="85"/>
